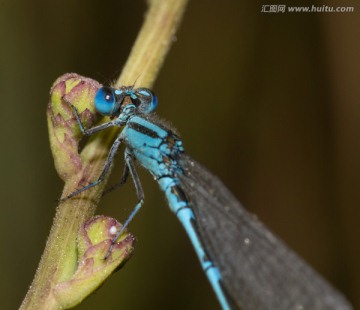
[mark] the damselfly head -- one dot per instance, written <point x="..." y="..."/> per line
<point x="111" y="101"/>
<point x="143" y="100"/>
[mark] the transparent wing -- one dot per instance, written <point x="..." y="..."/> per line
<point x="259" y="271"/>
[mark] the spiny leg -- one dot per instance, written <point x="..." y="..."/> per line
<point x="121" y="183"/>
<point x="105" y="171"/>
<point x="88" y="132"/>
<point x="140" y="194"/>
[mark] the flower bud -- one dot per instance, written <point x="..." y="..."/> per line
<point x="64" y="130"/>
<point x="94" y="241"/>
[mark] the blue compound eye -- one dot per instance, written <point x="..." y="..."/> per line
<point x="105" y="101"/>
<point x="148" y="100"/>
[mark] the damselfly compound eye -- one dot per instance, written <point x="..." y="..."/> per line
<point x="105" y="101"/>
<point x="148" y="100"/>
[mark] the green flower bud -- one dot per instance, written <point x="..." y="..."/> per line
<point x="64" y="130"/>
<point x="94" y="241"/>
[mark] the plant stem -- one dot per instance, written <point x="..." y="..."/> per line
<point x="59" y="260"/>
<point x="153" y="42"/>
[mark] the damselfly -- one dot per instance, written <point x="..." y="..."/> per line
<point x="246" y="264"/>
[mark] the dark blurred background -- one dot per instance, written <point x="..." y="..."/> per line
<point x="268" y="102"/>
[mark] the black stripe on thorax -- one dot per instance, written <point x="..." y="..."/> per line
<point x="142" y="129"/>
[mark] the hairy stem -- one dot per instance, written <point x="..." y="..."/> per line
<point x="60" y="258"/>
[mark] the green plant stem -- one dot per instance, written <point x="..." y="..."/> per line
<point x="152" y="43"/>
<point x="59" y="260"/>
